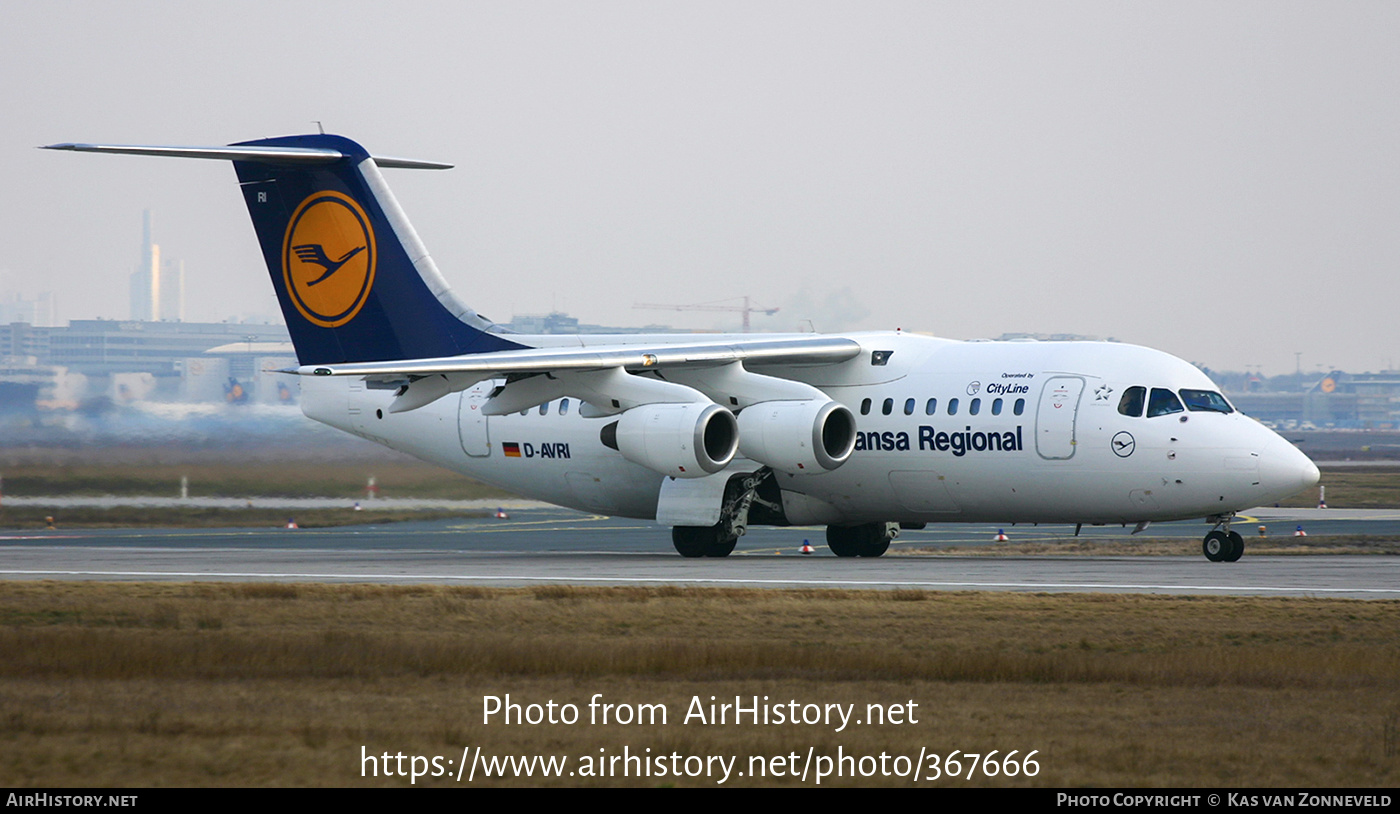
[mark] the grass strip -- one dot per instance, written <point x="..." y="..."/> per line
<point x="270" y="683"/>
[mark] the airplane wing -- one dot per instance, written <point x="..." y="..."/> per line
<point x="792" y="351"/>
<point x="602" y="375"/>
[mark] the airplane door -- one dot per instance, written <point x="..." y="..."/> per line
<point x="471" y="422"/>
<point x="1055" y="418"/>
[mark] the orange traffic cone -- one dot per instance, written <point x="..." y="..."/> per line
<point x="501" y="514"/>
<point x="807" y="548"/>
<point x="292" y="523"/>
<point x="1001" y="536"/>
<point x="1300" y="532"/>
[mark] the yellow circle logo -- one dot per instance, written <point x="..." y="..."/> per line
<point x="328" y="258"/>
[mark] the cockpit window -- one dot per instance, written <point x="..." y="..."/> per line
<point x="1163" y="402"/>
<point x="1205" y="401"/>
<point x="1131" y="403"/>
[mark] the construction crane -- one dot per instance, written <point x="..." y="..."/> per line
<point x="745" y="309"/>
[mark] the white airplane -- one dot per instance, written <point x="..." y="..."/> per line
<point x="865" y="433"/>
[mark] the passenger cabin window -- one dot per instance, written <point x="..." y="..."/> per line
<point x="1020" y="406"/>
<point x="887" y="407"/>
<point x="1163" y="402"/>
<point x="563" y="407"/>
<point x="544" y="408"/>
<point x="996" y="406"/>
<point x="865" y="407"/>
<point x="931" y="407"/>
<point x="1205" y="401"/>
<point x="974" y="406"/>
<point x="1131" y="403"/>
<point x="952" y="406"/>
<point x="908" y="406"/>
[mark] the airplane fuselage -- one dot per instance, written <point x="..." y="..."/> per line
<point x="998" y="432"/>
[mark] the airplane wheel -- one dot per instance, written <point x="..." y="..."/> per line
<point x="868" y="540"/>
<point x="877" y="543"/>
<point x="722" y="546"/>
<point x="844" y="541"/>
<point x="692" y="541"/>
<point x="701" y="541"/>
<point x="1217" y="546"/>
<point x="1236" y="548"/>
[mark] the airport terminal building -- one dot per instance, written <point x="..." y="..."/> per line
<point x="128" y="360"/>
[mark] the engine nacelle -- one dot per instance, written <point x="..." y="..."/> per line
<point x="688" y="440"/>
<point x="798" y="436"/>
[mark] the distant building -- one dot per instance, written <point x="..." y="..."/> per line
<point x="139" y="360"/>
<point x="1338" y="399"/>
<point x="558" y="322"/>
<point x="21" y="340"/>
<point x="37" y="311"/>
<point x="157" y="287"/>
<point x="555" y="322"/>
<point x="1021" y="336"/>
<point x="106" y="346"/>
<point x="26" y="385"/>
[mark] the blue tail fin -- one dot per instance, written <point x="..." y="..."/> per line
<point x="354" y="281"/>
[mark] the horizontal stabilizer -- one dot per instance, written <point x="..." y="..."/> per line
<point x="262" y="155"/>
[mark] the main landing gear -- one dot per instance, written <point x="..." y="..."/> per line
<point x="755" y="497"/>
<point x="868" y="540"/>
<point x="1221" y="544"/>
<point x="740" y="495"/>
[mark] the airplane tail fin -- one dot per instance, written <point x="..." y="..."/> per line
<point x="354" y="281"/>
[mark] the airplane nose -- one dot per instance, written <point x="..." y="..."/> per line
<point x="1285" y="471"/>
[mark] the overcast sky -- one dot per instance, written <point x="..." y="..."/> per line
<point x="1218" y="180"/>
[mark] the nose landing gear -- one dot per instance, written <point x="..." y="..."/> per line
<point x="1221" y="544"/>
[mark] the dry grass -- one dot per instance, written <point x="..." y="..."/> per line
<point x="254" y="684"/>
<point x="121" y="517"/>
<point x="1354" y="488"/>
<point x="294" y="477"/>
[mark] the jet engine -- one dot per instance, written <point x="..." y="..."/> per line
<point x="683" y="440"/>
<point x="797" y="436"/>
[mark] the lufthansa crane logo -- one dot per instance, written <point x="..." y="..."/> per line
<point x="328" y="258"/>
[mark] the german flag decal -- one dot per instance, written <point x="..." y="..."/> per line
<point x="511" y="448"/>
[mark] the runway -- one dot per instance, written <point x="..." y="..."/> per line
<point x="548" y="545"/>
